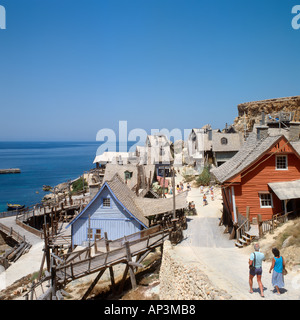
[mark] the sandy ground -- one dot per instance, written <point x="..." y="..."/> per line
<point x="28" y="263"/>
<point x="226" y="265"/>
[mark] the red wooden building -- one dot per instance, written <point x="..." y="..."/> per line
<point x="264" y="175"/>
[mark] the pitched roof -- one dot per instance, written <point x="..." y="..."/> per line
<point x="234" y="142"/>
<point x="138" y="208"/>
<point x="123" y="195"/>
<point x="251" y="150"/>
<point x="126" y="197"/>
<point x="161" y="205"/>
<point x="158" y="140"/>
<point x="111" y="169"/>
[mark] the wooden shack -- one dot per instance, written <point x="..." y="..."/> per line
<point x="252" y="177"/>
<point x="118" y="211"/>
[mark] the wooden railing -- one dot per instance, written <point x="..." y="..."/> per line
<point x="12" y="233"/>
<point x="271" y="224"/>
<point x="242" y="229"/>
<point x="14" y="253"/>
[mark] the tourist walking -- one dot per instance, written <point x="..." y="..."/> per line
<point x="204" y="200"/>
<point x="278" y="267"/>
<point x="255" y="268"/>
<point x="212" y="193"/>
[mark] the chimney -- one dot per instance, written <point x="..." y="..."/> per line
<point x="294" y="131"/>
<point x="263" y="119"/>
<point x="262" y="132"/>
<point x="209" y="131"/>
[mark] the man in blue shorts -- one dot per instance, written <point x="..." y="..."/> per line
<point x="256" y="259"/>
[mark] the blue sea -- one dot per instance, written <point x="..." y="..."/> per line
<point x="41" y="163"/>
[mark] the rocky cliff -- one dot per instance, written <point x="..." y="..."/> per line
<point x="250" y="113"/>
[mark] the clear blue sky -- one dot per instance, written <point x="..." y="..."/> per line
<point x="69" y="68"/>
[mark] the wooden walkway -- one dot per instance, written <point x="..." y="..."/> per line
<point x="131" y="250"/>
<point x="22" y="245"/>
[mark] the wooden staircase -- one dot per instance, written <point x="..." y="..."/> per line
<point x="245" y="239"/>
<point x="245" y="234"/>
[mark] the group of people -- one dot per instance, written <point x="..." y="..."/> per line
<point x="255" y="269"/>
<point x="180" y="188"/>
<point x="210" y="190"/>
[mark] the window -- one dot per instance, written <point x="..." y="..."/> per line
<point x="266" y="200"/>
<point x="98" y="234"/>
<point x="90" y="233"/>
<point x="224" y="141"/>
<point x="281" y="163"/>
<point x="106" y="202"/>
<point x="128" y="175"/>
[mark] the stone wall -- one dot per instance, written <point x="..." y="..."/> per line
<point x="181" y="279"/>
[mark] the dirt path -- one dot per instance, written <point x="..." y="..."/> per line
<point x="226" y="265"/>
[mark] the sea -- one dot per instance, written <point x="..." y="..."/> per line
<point x="42" y="163"/>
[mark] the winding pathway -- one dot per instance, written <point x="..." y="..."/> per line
<point x="226" y="265"/>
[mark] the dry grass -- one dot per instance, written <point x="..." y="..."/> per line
<point x="290" y="236"/>
<point x="287" y="239"/>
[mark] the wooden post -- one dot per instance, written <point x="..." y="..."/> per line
<point x="89" y="232"/>
<point x="164" y="179"/>
<point x="285" y="210"/>
<point x="123" y="279"/>
<point x="173" y="183"/>
<point x="53" y="280"/>
<point x="47" y="252"/>
<point x="259" y="222"/>
<point x="131" y="272"/>
<point x="248" y="217"/>
<point x="91" y="287"/>
<point x="111" y="272"/>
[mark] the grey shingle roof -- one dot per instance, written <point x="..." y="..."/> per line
<point x="140" y="208"/>
<point x="162" y="205"/>
<point x="111" y="169"/>
<point x="126" y="197"/>
<point x="251" y="150"/>
<point x="144" y="207"/>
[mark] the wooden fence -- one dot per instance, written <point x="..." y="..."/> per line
<point x="271" y="224"/>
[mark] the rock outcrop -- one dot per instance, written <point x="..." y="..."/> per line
<point x="250" y="113"/>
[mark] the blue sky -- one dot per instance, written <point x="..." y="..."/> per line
<point x="70" y="68"/>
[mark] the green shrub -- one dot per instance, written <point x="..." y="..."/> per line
<point x="188" y="178"/>
<point x="78" y="185"/>
<point x="204" y="178"/>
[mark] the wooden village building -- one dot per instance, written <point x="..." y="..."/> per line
<point x="158" y="152"/>
<point x="118" y="211"/>
<point x="208" y="146"/>
<point x="263" y="174"/>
